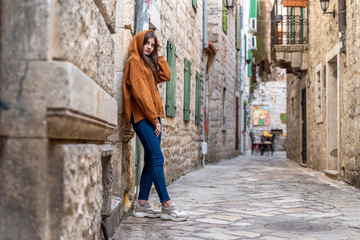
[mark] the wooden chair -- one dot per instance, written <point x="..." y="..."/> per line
<point x="255" y="145"/>
<point x="268" y="145"/>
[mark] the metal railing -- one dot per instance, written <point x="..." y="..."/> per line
<point x="291" y="29"/>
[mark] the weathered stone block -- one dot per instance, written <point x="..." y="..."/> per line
<point x="75" y="197"/>
<point x="118" y="90"/>
<point x="107" y="184"/>
<point x="105" y="58"/>
<point x="122" y="40"/>
<point x="117" y="167"/>
<point x="77" y="107"/>
<point x="23" y="188"/>
<point x="80" y="36"/>
<point x="125" y="12"/>
<point x="24" y="33"/>
<point x="107" y="9"/>
<point x="23" y="99"/>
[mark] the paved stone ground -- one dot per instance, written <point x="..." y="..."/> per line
<point x="255" y="197"/>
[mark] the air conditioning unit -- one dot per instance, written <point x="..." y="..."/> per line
<point x="252" y="43"/>
<point x="253" y="24"/>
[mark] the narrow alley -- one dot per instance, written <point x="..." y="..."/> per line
<point x="254" y="197"/>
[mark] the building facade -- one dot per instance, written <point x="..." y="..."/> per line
<point x="322" y="96"/>
<point x="224" y="73"/>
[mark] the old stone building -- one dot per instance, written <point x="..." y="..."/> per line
<point x="223" y="74"/>
<point x="322" y="92"/>
<point x="67" y="158"/>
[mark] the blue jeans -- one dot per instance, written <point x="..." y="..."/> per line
<point x="153" y="170"/>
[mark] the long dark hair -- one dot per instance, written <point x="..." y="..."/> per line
<point x="151" y="61"/>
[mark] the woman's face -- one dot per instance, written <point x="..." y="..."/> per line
<point x="149" y="46"/>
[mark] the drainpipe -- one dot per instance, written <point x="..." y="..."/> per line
<point x="205" y="45"/>
<point x="141" y="15"/>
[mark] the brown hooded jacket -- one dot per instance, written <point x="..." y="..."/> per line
<point x="141" y="96"/>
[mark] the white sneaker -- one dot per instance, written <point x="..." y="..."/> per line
<point x="173" y="213"/>
<point x="146" y="211"/>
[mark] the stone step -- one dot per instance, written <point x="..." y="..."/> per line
<point x="113" y="221"/>
<point x="333" y="174"/>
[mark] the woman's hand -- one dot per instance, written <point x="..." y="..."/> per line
<point x="157" y="129"/>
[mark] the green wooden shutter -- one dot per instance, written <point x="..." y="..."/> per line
<point x="238" y="32"/>
<point x="171" y="85"/>
<point x="194" y="3"/>
<point x="197" y="99"/>
<point x="224" y="19"/>
<point x="187" y="77"/>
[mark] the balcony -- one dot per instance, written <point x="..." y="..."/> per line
<point x="289" y="34"/>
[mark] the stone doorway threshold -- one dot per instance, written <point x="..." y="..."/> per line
<point x="333" y="174"/>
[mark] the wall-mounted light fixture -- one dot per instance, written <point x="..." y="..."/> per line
<point x="325" y="5"/>
<point x="229" y="4"/>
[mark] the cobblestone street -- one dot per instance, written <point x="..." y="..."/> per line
<point x="254" y="197"/>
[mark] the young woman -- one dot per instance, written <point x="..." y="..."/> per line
<point x="143" y="109"/>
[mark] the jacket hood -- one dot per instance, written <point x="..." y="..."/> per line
<point x="137" y="43"/>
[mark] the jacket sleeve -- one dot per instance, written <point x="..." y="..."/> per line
<point x="141" y="91"/>
<point x="165" y="72"/>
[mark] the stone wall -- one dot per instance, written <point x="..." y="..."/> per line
<point x="75" y="191"/>
<point x="222" y="74"/>
<point x="57" y="89"/>
<point x="350" y="111"/>
<point x="329" y="148"/>
<point x="294" y="120"/>
<point x="323" y="36"/>
<point x="180" y="23"/>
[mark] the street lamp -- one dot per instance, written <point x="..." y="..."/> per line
<point x="229" y="3"/>
<point x="325" y="5"/>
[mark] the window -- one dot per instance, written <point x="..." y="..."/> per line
<point x="197" y="98"/>
<point x="318" y="93"/>
<point x="171" y="85"/>
<point x="187" y="77"/>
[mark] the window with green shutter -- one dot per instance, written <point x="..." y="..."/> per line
<point x="194" y="3"/>
<point x="197" y="98"/>
<point x="171" y="85"/>
<point x="238" y="32"/>
<point x="187" y="77"/>
<point x="224" y="19"/>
